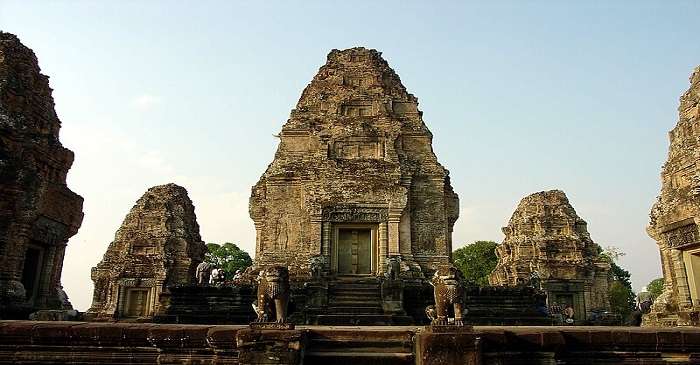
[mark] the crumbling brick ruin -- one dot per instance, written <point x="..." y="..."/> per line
<point x="675" y="217"/>
<point x="545" y="235"/>
<point x="157" y="246"/>
<point x="354" y="180"/>
<point x="355" y="192"/>
<point x="38" y="212"/>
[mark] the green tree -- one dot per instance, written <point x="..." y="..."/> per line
<point x="620" y="293"/>
<point x="476" y="261"/>
<point x="655" y="287"/>
<point x="227" y="257"/>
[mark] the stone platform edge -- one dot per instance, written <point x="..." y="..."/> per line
<point x="75" y="342"/>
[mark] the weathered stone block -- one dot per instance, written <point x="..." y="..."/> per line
<point x="270" y="346"/>
<point x="447" y="348"/>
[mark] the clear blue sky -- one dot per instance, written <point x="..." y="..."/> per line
<point x="520" y="96"/>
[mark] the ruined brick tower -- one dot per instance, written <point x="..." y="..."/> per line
<point x="157" y="246"/>
<point x="38" y="212"/>
<point x="545" y="235"/>
<point x="675" y="218"/>
<point x="354" y="179"/>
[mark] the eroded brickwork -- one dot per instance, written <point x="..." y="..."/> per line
<point x="158" y="245"/>
<point x="675" y="216"/>
<point x="38" y="212"/>
<point x="545" y="235"/>
<point x="355" y="151"/>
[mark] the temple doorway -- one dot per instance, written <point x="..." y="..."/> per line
<point x="691" y="260"/>
<point x="136" y="302"/>
<point x="31" y="271"/>
<point x="354" y="250"/>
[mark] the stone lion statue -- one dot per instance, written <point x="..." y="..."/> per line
<point x="273" y="294"/>
<point x="203" y="273"/>
<point x="393" y="267"/>
<point x="316" y="264"/>
<point x="535" y="281"/>
<point x="449" y="294"/>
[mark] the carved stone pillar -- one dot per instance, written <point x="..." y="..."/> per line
<point x="57" y="266"/>
<point x="326" y="243"/>
<point x="383" y="245"/>
<point x="44" y="279"/>
<point x="120" y="301"/>
<point x="393" y="232"/>
<point x="315" y="235"/>
<point x="258" y="238"/>
<point x="326" y="238"/>
<point x="405" y="225"/>
<point x="681" y="278"/>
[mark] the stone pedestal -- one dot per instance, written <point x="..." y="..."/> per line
<point x="392" y="296"/>
<point x="270" y="346"/>
<point x="447" y="345"/>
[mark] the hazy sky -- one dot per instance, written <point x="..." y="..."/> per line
<point x="520" y="96"/>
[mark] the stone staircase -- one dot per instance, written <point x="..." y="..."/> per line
<point x="356" y="300"/>
<point x="354" y="346"/>
<point x="209" y="305"/>
<point x="503" y="306"/>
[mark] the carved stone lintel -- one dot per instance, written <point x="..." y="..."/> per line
<point x="683" y="236"/>
<point x="355" y="214"/>
<point x="136" y="282"/>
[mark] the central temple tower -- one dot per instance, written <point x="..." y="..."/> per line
<point x="354" y="180"/>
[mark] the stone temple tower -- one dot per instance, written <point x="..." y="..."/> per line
<point x="545" y="235"/>
<point x="675" y="218"/>
<point x="354" y="180"/>
<point x="158" y="246"/>
<point x="38" y="211"/>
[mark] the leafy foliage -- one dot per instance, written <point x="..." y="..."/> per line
<point x="620" y="293"/>
<point x="655" y="287"/>
<point x="227" y="257"/>
<point x="476" y="261"/>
